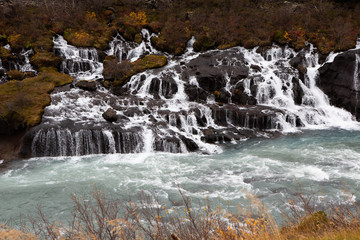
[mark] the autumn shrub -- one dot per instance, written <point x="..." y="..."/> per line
<point x="102" y="216"/>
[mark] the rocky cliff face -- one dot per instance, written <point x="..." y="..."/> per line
<point x="340" y="81"/>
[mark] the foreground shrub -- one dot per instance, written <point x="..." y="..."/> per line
<point x="99" y="217"/>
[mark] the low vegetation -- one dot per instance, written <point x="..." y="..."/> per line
<point x="98" y="217"/>
<point x="332" y="25"/>
<point x="121" y="72"/>
<point x="23" y="102"/>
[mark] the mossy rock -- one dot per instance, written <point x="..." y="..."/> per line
<point x="23" y="102"/>
<point x="203" y="43"/>
<point x="5" y="54"/>
<point x="148" y="62"/>
<point x="138" y="38"/>
<point x="129" y="32"/>
<point x="279" y="37"/>
<point x="15" y="75"/>
<point x="226" y="46"/>
<point x="45" y="59"/>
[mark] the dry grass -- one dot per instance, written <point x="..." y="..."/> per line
<point x="98" y="217"/>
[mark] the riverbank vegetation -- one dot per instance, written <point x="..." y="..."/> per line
<point x="330" y="25"/>
<point x="99" y="217"/>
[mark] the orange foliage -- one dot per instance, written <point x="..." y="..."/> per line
<point x="136" y="18"/>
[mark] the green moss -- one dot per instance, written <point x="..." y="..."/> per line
<point x="203" y="43"/>
<point x="45" y="59"/>
<point x="279" y="37"/>
<point x="23" y="102"/>
<point x="138" y="38"/>
<point x="148" y="62"/>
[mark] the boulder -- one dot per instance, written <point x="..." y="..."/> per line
<point x="110" y="115"/>
<point x="340" y="80"/>
<point x="86" y="85"/>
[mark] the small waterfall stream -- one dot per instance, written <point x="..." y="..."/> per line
<point x="22" y="63"/>
<point x="195" y="102"/>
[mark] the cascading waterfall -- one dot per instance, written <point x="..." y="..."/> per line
<point x="193" y="103"/>
<point x="64" y="142"/>
<point x="22" y="63"/>
<point x="131" y="51"/>
<point x="81" y="63"/>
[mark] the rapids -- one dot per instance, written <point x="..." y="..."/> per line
<point x="324" y="162"/>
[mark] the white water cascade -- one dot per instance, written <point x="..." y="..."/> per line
<point x="22" y="63"/>
<point x="194" y="103"/>
<point x="131" y="51"/>
<point x="81" y="63"/>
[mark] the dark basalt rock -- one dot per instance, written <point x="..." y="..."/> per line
<point x="255" y="67"/>
<point x="190" y="144"/>
<point x="340" y="81"/>
<point x="298" y="91"/>
<point x="86" y="85"/>
<point x="299" y="63"/>
<point x="168" y="87"/>
<point x="242" y="98"/>
<point x="110" y="115"/>
<point x="196" y="94"/>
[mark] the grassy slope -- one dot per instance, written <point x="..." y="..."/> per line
<point x="23" y="102"/>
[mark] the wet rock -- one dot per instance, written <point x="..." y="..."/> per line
<point x="222" y="96"/>
<point x="167" y="144"/>
<point x="239" y="72"/>
<point x="297" y="91"/>
<point x="196" y="94"/>
<point x="299" y="62"/>
<point x="191" y="146"/>
<point x="257" y="68"/>
<point x="340" y="81"/>
<point x="110" y="115"/>
<point x="242" y="98"/>
<point x="86" y="85"/>
<point x="166" y="86"/>
<point x="210" y="79"/>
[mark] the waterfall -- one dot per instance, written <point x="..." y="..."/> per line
<point x="195" y="102"/>
<point x="81" y="63"/>
<point x="22" y="63"/>
<point x="131" y="51"/>
<point x="64" y="142"/>
<point x="356" y="81"/>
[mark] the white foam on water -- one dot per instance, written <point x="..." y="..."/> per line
<point x="310" y="172"/>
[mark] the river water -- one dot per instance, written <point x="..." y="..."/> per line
<point x="325" y="163"/>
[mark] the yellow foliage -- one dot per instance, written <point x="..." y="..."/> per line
<point x="287" y="37"/>
<point x="90" y="15"/>
<point x="137" y="18"/>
